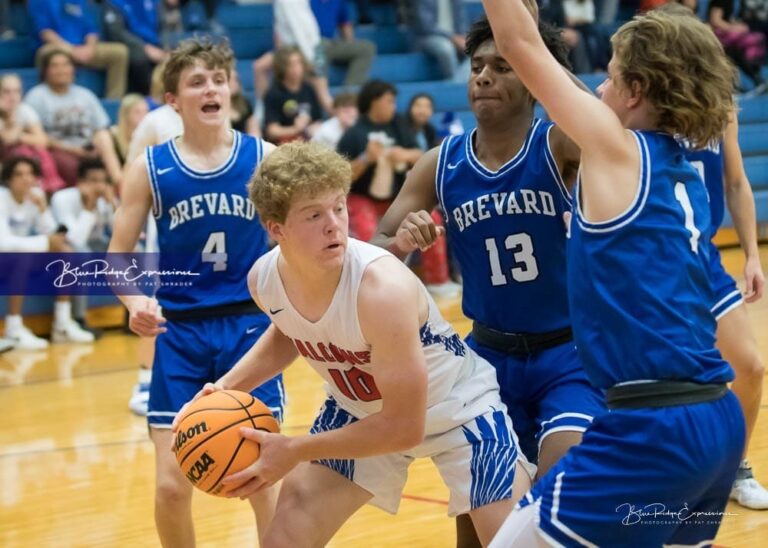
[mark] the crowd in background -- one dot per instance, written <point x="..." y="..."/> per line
<point x="62" y="159"/>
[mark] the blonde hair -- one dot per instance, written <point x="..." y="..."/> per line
<point x="156" y="85"/>
<point x="191" y="52"/>
<point x="121" y="131"/>
<point x="296" y="170"/>
<point x="681" y="69"/>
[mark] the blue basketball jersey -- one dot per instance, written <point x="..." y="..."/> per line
<point x="206" y="224"/>
<point x="709" y="163"/>
<point x="506" y="229"/>
<point x="638" y="284"/>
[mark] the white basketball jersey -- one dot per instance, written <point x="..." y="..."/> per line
<point x="461" y="384"/>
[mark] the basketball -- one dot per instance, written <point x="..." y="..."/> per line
<point x="208" y="444"/>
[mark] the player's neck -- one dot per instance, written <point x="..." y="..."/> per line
<point x="495" y="144"/>
<point x="205" y="146"/>
<point x="309" y="287"/>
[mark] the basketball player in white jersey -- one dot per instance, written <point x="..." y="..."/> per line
<point x="401" y="383"/>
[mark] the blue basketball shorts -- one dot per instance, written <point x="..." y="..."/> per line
<point x="546" y="392"/>
<point x="644" y="477"/>
<point x="476" y="461"/>
<point x="192" y="353"/>
<point x="727" y="295"/>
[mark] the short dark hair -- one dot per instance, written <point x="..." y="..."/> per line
<point x="88" y="164"/>
<point x="10" y="164"/>
<point x="481" y="32"/>
<point x="48" y="56"/>
<point x="372" y="90"/>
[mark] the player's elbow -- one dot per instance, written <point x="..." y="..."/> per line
<point x="408" y="434"/>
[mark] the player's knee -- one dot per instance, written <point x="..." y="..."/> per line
<point x="171" y="492"/>
<point x="292" y="523"/>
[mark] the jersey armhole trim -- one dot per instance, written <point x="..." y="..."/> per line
<point x="556" y="175"/>
<point x="157" y="202"/>
<point x="634" y="208"/>
<point x="440" y="171"/>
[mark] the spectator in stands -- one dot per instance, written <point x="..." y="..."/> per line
<point x="72" y="116"/>
<point x="344" y="117"/>
<point x="133" y="108"/>
<point x="755" y="15"/>
<point x="381" y="151"/>
<point x="438" y="27"/>
<point x="87" y="209"/>
<point x="135" y="24"/>
<point x="417" y="121"/>
<point x="22" y="134"/>
<point x="67" y="25"/>
<point x="241" y="111"/>
<point x="745" y="47"/>
<point x="26" y="225"/>
<point x="291" y="107"/>
<point x="553" y="12"/>
<point x="6" y="32"/>
<point x="295" y="25"/>
<point x="580" y="15"/>
<point x="358" y="55"/>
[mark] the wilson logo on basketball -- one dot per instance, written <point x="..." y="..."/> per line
<point x="184" y="437"/>
<point x="199" y="468"/>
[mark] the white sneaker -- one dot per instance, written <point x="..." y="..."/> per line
<point x="139" y="402"/>
<point x="444" y="290"/>
<point x="6" y="345"/>
<point x="71" y="332"/>
<point x="749" y="493"/>
<point x="24" y="339"/>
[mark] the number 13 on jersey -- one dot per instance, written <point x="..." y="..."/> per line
<point x="521" y="246"/>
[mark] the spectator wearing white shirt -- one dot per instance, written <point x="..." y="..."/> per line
<point x="72" y="116"/>
<point x="344" y="117"/>
<point x="27" y="225"/>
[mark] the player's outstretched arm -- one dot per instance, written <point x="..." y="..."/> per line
<point x="390" y="323"/>
<point x="741" y="204"/>
<point x="144" y="313"/>
<point x="408" y="225"/>
<point x="606" y="146"/>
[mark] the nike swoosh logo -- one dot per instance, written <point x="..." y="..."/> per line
<point x="250" y="330"/>
<point x="273" y="312"/>
<point x="454" y="166"/>
<point x="164" y="170"/>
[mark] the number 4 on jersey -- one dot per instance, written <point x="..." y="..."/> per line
<point x="215" y="251"/>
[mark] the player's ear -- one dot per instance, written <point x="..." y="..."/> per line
<point x="635" y="94"/>
<point x="274" y="229"/>
<point x="170" y="100"/>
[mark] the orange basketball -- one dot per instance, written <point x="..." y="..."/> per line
<point x="208" y="443"/>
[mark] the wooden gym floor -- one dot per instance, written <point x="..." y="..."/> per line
<point x="76" y="467"/>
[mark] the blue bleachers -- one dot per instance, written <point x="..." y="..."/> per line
<point x="17" y="52"/>
<point x="753" y="139"/>
<point x="753" y="111"/>
<point x="387" y="39"/>
<point x="245" y="16"/>
<point x="399" y="67"/>
<point x="250" y="43"/>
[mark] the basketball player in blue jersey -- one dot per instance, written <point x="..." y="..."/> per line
<point x="722" y="168"/>
<point x="639" y="290"/>
<point x="195" y="185"/>
<point x="504" y="188"/>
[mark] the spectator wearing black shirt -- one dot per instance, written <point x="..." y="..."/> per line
<point x="416" y="120"/>
<point x="291" y="107"/>
<point x="381" y="151"/>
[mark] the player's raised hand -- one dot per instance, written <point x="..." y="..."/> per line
<point x="208" y="388"/>
<point x="275" y="460"/>
<point x="145" y="318"/>
<point x="418" y="231"/>
<point x="755" y="280"/>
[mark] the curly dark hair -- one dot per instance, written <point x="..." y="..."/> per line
<point x="481" y="32"/>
